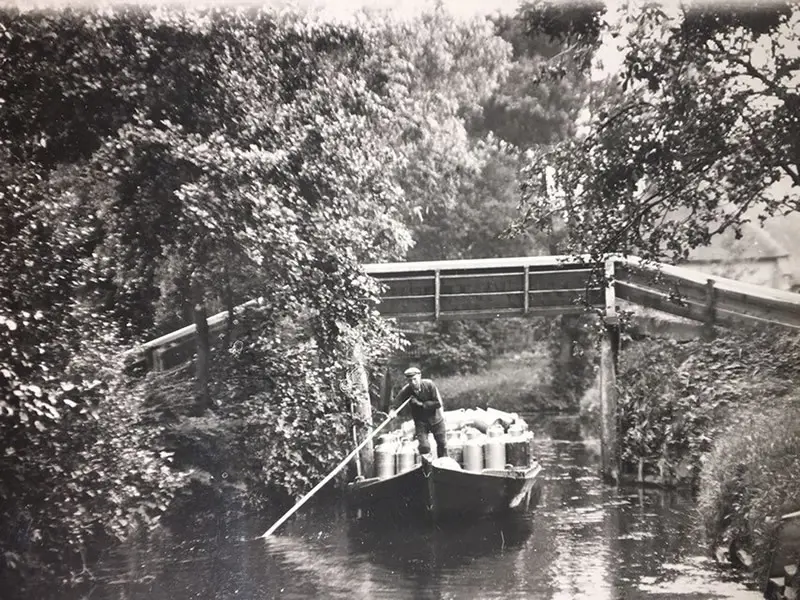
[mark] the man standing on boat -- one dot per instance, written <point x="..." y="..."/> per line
<point x="426" y="410"/>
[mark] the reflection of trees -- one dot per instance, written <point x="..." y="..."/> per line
<point x="573" y="506"/>
<point x="582" y="540"/>
<point x="601" y="536"/>
<point x="653" y="529"/>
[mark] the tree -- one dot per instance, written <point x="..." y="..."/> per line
<point x="437" y="69"/>
<point x="700" y="126"/>
<point x="538" y="103"/>
<point x="220" y="153"/>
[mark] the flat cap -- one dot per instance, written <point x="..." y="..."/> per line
<point x="411" y="371"/>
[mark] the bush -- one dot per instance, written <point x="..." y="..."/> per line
<point x="674" y="398"/>
<point x="461" y="347"/>
<point x="751" y="476"/>
<point x="518" y="383"/>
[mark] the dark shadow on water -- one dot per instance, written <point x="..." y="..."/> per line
<point x="411" y="546"/>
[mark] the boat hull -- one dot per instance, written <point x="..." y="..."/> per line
<point x="443" y="493"/>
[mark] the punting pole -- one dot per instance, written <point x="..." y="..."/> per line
<point x="330" y="475"/>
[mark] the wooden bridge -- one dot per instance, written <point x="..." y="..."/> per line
<point x="553" y="285"/>
<point x="541" y="286"/>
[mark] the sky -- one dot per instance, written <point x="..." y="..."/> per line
<point x="341" y="10"/>
<point x="332" y="8"/>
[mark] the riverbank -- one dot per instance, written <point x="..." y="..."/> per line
<point x="518" y="382"/>
<point x="723" y="417"/>
<point x="584" y="539"/>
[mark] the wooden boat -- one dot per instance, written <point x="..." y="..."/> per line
<point x="784" y="570"/>
<point x="442" y="489"/>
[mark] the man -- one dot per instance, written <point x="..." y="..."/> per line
<point x="426" y="410"/>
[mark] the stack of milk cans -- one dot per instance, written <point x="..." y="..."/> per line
<point x="477" y="440"/>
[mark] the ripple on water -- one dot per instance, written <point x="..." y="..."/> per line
<point x="583" y="540"/>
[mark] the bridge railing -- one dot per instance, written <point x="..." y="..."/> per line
<point x="691" y="294"/>
<point x="473" y="289"/>
<point x="537" y="286"/>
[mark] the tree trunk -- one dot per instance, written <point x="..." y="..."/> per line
<point x="363" y="410"/>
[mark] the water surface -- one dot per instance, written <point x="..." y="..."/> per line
<point x="583" y="539"/>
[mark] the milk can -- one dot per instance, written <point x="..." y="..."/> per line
<point x="518" y="445"/>
<point x="473" y="451"/>
<point x="384" y="457"/>
<point x="455" y="446"/>
<point x="405" y="457"/>
<point x="495" y="447"/>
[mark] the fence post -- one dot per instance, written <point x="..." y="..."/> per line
<point x="710" y="311"/>
<point x="437" y="292"/>
<point x="526" y="303"/>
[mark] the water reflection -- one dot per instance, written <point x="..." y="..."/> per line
<point x="408" y="546"/>
<point x="583" y="539"/>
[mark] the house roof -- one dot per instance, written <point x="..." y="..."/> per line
<point x="756" y="243"/>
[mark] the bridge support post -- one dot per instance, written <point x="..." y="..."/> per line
<point x="609" y="352"/>
<point x="609" y="449"/>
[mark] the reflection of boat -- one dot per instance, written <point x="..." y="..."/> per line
<point x="401" y="545"/>
<point x="445" y="487"/>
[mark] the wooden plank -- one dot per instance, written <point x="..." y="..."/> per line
<point x="460" y="302"/>
<point x="487" y="314"/>
<point x="766" y="309"/>
<point x="566" y="279"/>
<point x="425" y="305"/>
<point x="728" y="319"/>
<point x="473" y="284"/>
<point x="659" y="301"/>
<point x="573" y="297"/>
<point x="409" y="286"/>
<point x="556" y="261"/>
<point x="215" y="322"/>
<point x="412" y="305"/>
<point x="666" y="283"/>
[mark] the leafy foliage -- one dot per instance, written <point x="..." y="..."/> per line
<point x="700" y="386"/>
<point x="203" y="155"/>
<point x="534" y="103"/>
<point x="696" y="131"/>
<point x="750" y="478"/>
<point x="88" y="467"/>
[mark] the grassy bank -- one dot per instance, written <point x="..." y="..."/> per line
<point x="517" y="382"/>
<point x="751" y="477"/>
<point x="729" y="412"/>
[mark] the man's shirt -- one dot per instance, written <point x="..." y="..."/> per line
<point x="431" y="410"/>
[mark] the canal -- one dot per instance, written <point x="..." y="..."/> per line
<point x="582" y="540"/>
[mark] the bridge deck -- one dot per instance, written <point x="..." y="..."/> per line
<point x="548" y="285"/>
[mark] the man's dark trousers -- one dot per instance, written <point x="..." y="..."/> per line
<point x="423" y="428"/>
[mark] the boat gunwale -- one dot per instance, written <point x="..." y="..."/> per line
<point x="520" y="473"/>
